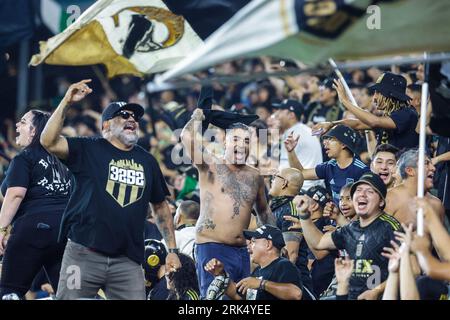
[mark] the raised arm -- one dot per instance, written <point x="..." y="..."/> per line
<point x="290" y="143"/>
<point x="313" y="236"/>
<point x="431" y="266"/>
<point x="437" y="230"/>
<point x="264" y="214"/>
<point x="366" y="117"/>
<point x="408" y="287"/>
<point x="192" y="140"/>
<point x="51" y="138"/>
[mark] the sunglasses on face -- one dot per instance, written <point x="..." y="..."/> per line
<point x="126" y="115"/>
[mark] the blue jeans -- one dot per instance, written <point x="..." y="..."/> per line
<point x="236" y="262"/>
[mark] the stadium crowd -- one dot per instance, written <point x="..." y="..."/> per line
<point x="316" y="198"/>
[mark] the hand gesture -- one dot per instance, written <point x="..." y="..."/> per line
<point x="393" y="254"/>
<point x="172" y="263"/>
<point x="331" y="211"/>
<point x="343" y="269"/>
<point x="77" y="91"/>
<point x="295" y="222"/>
<point x="339" y="87"/>
<point x="198" y="115"/>
<point x="321" y="128"/>
<point x="405" y="238"/>
<point x="248" y="283"/>
<point x="302" y="203"/>
<point x="215" y="267"/>
<point x="291" y="141"/>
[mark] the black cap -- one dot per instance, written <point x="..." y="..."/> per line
<point x="391" y="85"/>
<point x="267" y="232"/>
<point x="345" y="135"/>
<point x="291" y="105"/>
<point x="115" y="107"/>
<point x="319" y="194"/>
<point x="328" y="83"/>
<point x="373" y="180"/>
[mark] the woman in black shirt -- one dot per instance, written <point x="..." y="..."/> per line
<point x="36" y="191"/>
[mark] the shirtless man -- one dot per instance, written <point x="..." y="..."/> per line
<point x="228" y="191"/>
<point x="400" y="200"/>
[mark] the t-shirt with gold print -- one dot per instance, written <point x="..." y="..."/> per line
<point x="112" y="191"/>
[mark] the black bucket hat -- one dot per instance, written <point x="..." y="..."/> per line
<point x="391" y="85"/>
<point x="345" y="135"/>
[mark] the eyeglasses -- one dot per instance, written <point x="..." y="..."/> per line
<point x="282" y="178"/>
<point x="126" y="115"/>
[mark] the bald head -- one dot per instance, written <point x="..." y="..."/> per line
<point x="294" y="178"/>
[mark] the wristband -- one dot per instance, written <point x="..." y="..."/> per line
<point x="174" y="250"/>
<point x="262" y="285"/>
<point x="305" y="216"/>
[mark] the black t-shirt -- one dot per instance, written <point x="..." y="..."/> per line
<point x="364" y="245"/>
<point x="47" y="181"/>
<point x="113" y="188"/>
<point x="316" y="112"/>
<point x="405" y="135"/>
<point x="280" y="270"/>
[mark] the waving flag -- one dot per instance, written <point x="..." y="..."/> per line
<point x="314" y="30"/>
<point x="136" y="36"/>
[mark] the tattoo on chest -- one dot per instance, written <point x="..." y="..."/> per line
<point x="207" y="223"/>
<point x="240" y="186"/>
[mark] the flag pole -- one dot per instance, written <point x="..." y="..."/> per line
<point x="422" y="136"/>
<point x="350" y="95"/>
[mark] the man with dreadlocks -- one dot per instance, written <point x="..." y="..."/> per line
<point x="397" y="124"/>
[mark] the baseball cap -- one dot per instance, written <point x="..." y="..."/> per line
<point x="374" y="181"/>
<point x="115" y="107"/>
<point x="319" y="194"/>
<point x="291" y="105"/>
<point x="267" y="232"/>
<point x="345" y="135"/>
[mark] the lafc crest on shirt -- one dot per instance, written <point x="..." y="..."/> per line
<point x="126" y="181"/>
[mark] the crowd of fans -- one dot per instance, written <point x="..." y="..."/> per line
<point x="316" y="165"/>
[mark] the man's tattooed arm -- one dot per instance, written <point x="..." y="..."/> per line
<point x="263" y="212"/>
<point x="164" y="221"/>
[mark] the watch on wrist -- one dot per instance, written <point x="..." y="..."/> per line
<point x="174" y="250"/>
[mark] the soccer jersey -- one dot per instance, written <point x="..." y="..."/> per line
<point x="365" y="245"/>
<point x="335" y="177"/>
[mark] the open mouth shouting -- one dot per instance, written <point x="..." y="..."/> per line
<point x="385" y="176"/>
<point x="130" y="127"/>
<point x="362" y="204"/>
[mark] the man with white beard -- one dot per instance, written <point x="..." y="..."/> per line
<point x="104" y="220"/>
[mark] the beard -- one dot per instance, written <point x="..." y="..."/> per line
<point x="128" y="139"/>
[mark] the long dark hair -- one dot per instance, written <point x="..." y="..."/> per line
<point x="184" y="279"/>
<point x="39" y="121"/>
